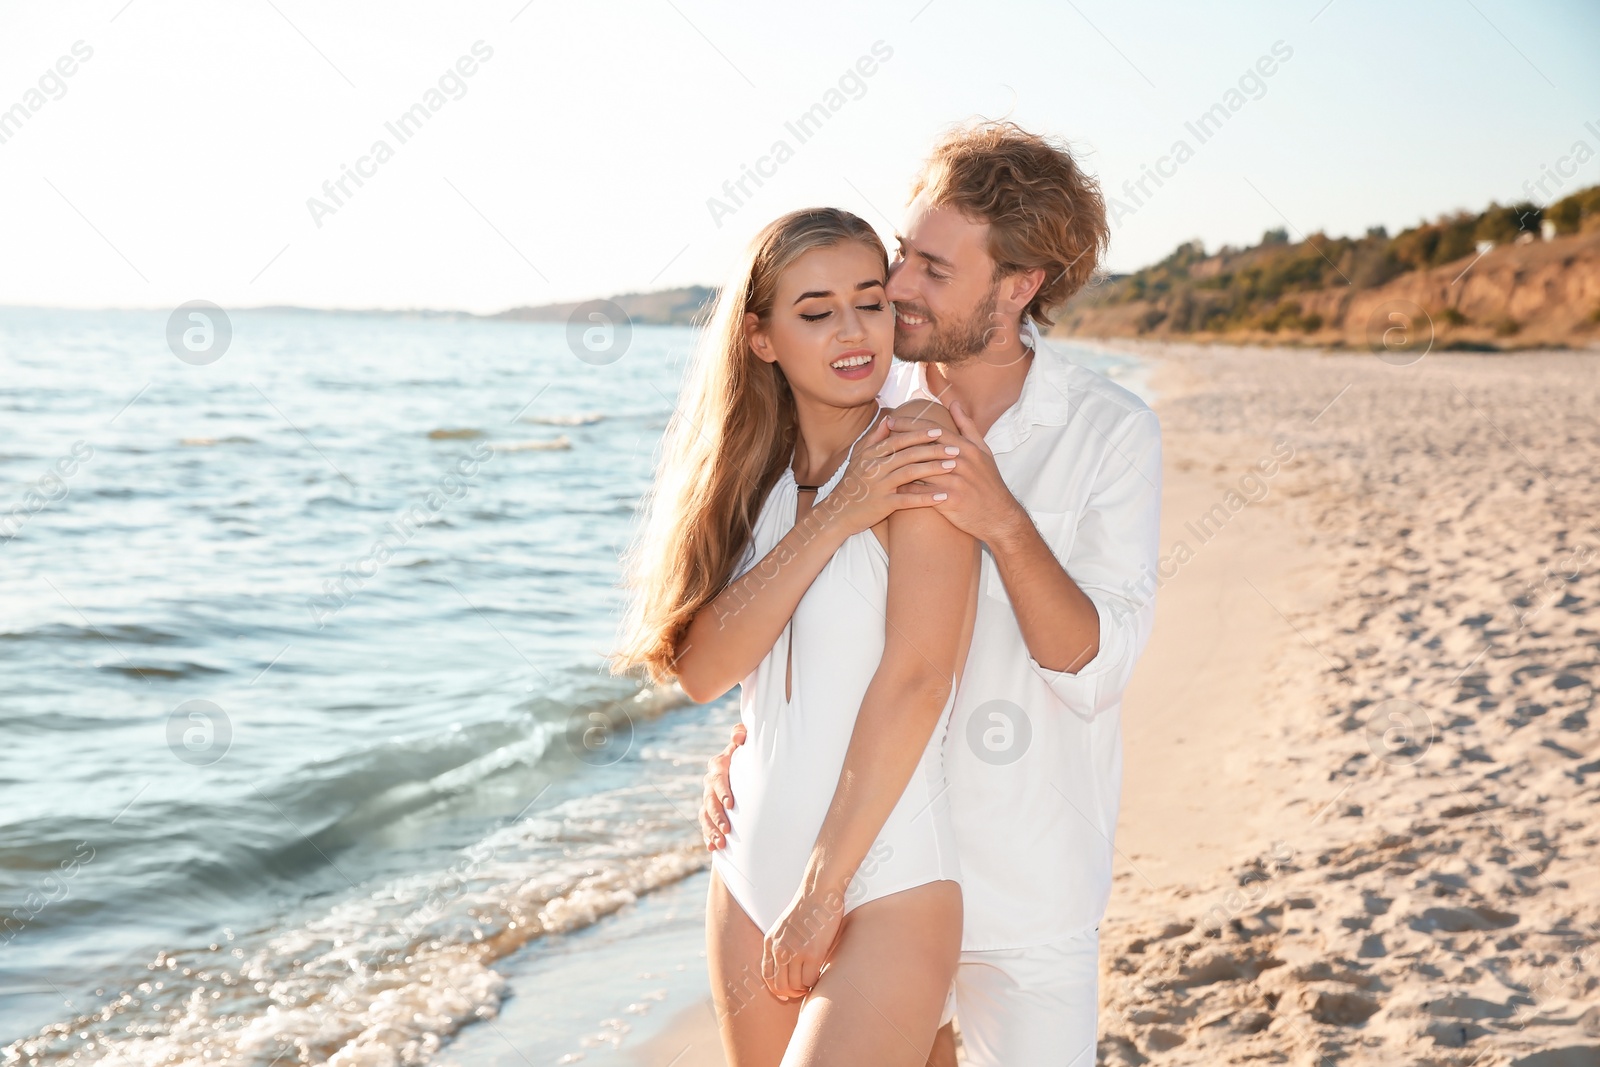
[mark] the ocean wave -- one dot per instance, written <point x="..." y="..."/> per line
<point x="384" y="977"/>
<point x="147" y="671"/>
<point x="588" y="418"/>
<point x="347" y="736"/>
<point x="558" y="444"/>
<point x="123" y="634"/>
<point x="312" y="817"/>
<point x="362" y="793"/>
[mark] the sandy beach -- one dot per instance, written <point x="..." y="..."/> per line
<point x="1395" y="735"/>
<point x="339" y="727"/>
<point x="1359" y="822"/>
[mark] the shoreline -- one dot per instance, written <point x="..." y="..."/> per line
<point x="1199" y="702"/>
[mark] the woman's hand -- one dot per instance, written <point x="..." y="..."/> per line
<point x="875" y="485"/>
<point x="978" y="500"/>
<point x="796" y="948"/>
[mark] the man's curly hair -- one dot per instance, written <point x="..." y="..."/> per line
<point x="1043" y="211"/>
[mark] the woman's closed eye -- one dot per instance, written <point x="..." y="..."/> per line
<point x="824" y="314"/>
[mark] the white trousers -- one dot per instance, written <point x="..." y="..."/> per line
<point x="1030" y="1007"/>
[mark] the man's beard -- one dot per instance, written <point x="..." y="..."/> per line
<point x="956" y="342"/>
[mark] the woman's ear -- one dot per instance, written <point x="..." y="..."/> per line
<point x="757" y="339"/>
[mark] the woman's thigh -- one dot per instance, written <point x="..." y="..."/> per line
<point x="879" y="1000"/>
<point x="755" y="1025"/>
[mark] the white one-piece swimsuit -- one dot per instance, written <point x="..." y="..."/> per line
<point x="784" y="775"/>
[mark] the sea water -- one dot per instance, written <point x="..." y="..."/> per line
<point x="309" y="738"/>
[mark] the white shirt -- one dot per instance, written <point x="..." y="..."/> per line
<point x="1034" y="756"/>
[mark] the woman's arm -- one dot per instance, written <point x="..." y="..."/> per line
<point x="933" y="572"/>
<point x="728" y="637"/>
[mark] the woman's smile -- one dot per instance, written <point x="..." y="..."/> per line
<point x="854" y="364"/>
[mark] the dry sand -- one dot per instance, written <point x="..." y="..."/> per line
<point x="1378" y="836"/>
<point x="1359" y="819"/>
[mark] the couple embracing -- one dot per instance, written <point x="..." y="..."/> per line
<point x="919" y="540"/>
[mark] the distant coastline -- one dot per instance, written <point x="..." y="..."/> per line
<point x="1517" y="276"/>
<point x="664" y="307"/>
<point x="1510" y="277"/>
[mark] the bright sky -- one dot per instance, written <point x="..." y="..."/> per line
<point x="578" y="158"/>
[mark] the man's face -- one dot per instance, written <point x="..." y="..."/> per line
<point x="943" y="286"/>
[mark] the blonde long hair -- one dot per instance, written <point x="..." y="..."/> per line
<point x="728" y="440"/>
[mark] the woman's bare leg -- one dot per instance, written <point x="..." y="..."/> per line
<point x="879" y="1001"/>
<point x="755" y="1025"/>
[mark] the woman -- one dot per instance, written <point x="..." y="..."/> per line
<point x="780" y="555"/>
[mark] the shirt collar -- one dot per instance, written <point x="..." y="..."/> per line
<point x="1044" y="393"/>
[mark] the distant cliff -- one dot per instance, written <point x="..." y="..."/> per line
<point x="665" y="307"/>
<point x="1509" y="277"/>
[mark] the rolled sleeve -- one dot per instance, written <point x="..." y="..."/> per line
<point x="1113" y="560"/>
<point x="1097" y="686"/>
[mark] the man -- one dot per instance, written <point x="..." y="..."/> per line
<point x="1059" y="479"/>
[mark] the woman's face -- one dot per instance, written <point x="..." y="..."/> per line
<point x="831" y="328"/>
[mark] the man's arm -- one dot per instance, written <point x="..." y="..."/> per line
<point x="1058" y="620"/>
<point x="1086" y="619"/>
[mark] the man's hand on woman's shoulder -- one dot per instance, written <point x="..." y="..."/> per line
<point x="976" y="499"/>
<point x="883" y="474"/>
